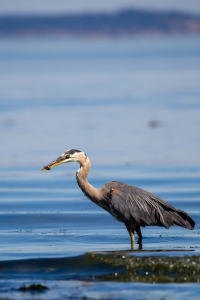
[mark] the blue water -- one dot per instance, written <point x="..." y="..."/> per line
<point x="102" y="97"/>
<point x="46" y="215"/>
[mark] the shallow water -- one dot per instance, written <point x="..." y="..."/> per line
<point x="45" y="214"/>
<point x="49" y="229"/>
<point x="133" y="107"/>
<point x="122" y="101"/>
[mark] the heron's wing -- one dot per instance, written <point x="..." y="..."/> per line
<point x="130" y="204"/>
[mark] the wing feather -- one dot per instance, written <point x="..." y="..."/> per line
<point x="136" y="206"/>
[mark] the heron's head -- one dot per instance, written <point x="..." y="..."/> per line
<point x="68" y="156"/>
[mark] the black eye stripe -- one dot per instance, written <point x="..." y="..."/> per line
<point x="72" y="151"/>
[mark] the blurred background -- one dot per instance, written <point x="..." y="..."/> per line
<point x="119" y="80"/>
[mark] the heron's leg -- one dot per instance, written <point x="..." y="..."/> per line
<point x="132" y="235"/>
<point x="138" y="230"/>
<point x="131" y="230"/>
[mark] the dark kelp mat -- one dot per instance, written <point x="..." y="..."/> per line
<point x="142" y="251"/>
<point x="114" y="267"/>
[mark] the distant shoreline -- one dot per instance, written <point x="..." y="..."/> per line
<point x="119" y="24"/>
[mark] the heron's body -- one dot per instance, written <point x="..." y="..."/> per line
<point x="128" y="204"/>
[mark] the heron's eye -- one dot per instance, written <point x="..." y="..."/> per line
<point x="67" y="156"/>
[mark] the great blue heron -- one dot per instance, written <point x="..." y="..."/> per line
<point x="128" y="204"/>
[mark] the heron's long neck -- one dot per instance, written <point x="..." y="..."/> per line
<point x="81" y="177"/>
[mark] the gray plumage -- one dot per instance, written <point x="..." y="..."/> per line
<point x="128" y="204"/>
<point x="133" y="205"/>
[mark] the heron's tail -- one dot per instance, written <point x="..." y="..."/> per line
<point x="181" y="218"/>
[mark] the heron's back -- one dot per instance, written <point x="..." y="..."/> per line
<point x="133" y="205"/>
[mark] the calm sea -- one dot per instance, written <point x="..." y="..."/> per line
<point x="133" y="105"/>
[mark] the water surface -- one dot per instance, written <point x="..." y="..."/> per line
<point x="50" y="231"/>
<point x="133" y="107"/>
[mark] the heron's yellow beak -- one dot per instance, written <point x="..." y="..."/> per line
<point x="54" y="163"/>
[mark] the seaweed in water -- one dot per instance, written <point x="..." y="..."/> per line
<point x="33" y="288"/>
<point x="151" y="269"/>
